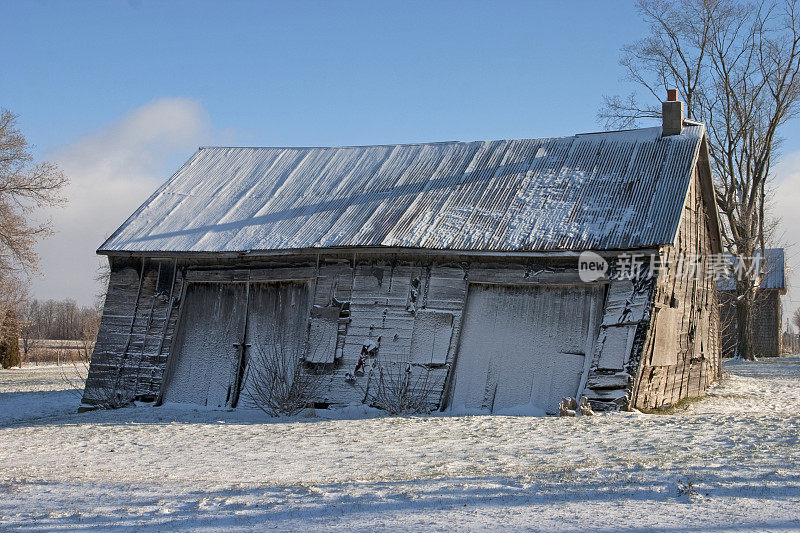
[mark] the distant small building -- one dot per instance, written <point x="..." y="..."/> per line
<point x="767" y="310"/>
<point x="448" y="270"/>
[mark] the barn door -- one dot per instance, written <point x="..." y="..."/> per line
<point x="229" y="331"/>
<point x="277" y="319"/>
<point x="207" y="349"/>
<point x="524" y="348"/>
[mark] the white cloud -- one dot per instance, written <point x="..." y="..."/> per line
<point x="787" y="207"/>
<point x="112" y="172"/>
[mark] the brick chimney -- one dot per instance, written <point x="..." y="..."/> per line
<point x="671" y="114"/>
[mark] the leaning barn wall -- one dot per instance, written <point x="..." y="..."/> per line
<point x="139" y="317"/>
<point x="681" y="354"/>
<point x="386" y="299"/>
<point x="390" y="304"/>
<point x="626" y="318"/>
<point x="371" y="300"/>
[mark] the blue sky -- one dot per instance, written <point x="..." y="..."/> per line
<point x="120" y="93"/>
<point x="299" y="73"/>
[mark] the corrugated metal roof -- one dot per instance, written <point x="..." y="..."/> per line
<point x="774" y="272"/>
<point x="613" y="190"/>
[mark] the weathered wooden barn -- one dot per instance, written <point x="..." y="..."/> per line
<point x="450" y="268"/>
<point x="767" y="310"/>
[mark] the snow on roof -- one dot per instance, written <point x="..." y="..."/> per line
<point x="612" y="190"/>
<point x="774" y="272"/>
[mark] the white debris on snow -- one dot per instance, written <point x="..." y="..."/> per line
<point x="727" y="462"/>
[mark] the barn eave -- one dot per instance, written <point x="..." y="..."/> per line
<point x="370" y="250"/>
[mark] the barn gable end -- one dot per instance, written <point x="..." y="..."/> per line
<point x="680" y="354"/>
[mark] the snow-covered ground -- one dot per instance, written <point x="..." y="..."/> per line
<point x="39" y="391"/>
<point x="728" y="462"/>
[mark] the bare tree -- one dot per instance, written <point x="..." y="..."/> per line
<point x="13" y="290"/>
<point x="796" y="318"/>
<point x="29" y="333"/>
<point x="736" y="67"/>
<point x="58" y="319"/>
<point x="75" y="358"/>
<point x="9" y="340"/>
<point x="25" y="186"/>
<point x="102" y="278"/>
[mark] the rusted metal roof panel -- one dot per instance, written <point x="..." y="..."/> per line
<point x="612" y="190"/>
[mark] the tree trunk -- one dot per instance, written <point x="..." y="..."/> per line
<point x="744" y="321"/>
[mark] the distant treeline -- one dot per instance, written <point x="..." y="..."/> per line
<point x="58" y="319"/>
